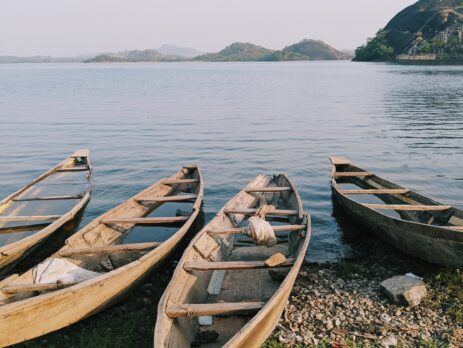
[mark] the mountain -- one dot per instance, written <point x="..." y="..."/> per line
<point x="172" y="50"/>
<point x="135" y="56"/>
<point x="316" y="50"/>
<point x="236" y="52"/>
<point x="428" y="27"/>
<point x="303" y="50"/>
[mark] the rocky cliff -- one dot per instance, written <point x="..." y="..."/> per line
<point x="428" y="27"/>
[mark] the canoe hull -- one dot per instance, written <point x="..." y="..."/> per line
<point x="418" y="240"/>
<point x="63" y="308"/>
<point x="193" y="287"/>
<point x="11" y="254"/>
<point x="35" y="316"/>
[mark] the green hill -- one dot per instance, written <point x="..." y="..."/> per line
<point x="316" y="50"/>
<point x="427" y="27"/>
<point x="236" y="52"/>
<point x="304" y="50"/>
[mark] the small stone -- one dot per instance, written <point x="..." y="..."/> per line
<point x="319" y="316"/>
<point x="405" y="290"/>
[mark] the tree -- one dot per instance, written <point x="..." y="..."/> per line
<point x="377" y="49"/>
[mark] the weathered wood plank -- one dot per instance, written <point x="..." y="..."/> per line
<point x="196" y="310"/>
<point x="50" y="198"/>
<point x="268" y="189"/>
<point x="230" y="265"/>
<point x="14" y="289"/>
<point x="339" y="160"/>
<point x="253" y="211"/>
<point x="350" y="174"/>
<point x="179" y="181"/>
<point x="178" y="198"/>
<point x="455" y="228"/>
<point x="147" y="220"/>
<point x="80" y="153"/>
<point x="76" y="169"/>
<point x="375" y="191"/>
<point x="407" y="207"/>
<point x="29" y="218"/>
<point x="109" y="249"/>
<point x="278" y="228"/>
<point x="22" y="228"/>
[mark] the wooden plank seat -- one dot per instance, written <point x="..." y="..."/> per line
<point x="253" y="211"/>
<point x="282" y="228"/>
<point x="29" y="218"/>
<point x="146" y="220"/>
<point x="455" y="228"/>
<point x="74" y="169"/>
<point x="351" y="174"/>
<point x="80" y="153"/>
<point x="337" y="161"/>
<point x="179" y="181"/>
<point x="375" y="191"/>
<point x="268" y="189"/>
<point x="205" y="309"/>
<point x="178" y="198"/>
<point x="22" y="228"/>
<point x="231" y="265"/>
<point x="407" y="207"/>
<point x="110" y="249"/>
<point x="50" y="198"/>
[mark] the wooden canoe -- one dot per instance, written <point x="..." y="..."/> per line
<point x="222" y="280"/>
<point x="29" y="310"/>
<point x="35" y="212"/>
<point x="413" y="223"/>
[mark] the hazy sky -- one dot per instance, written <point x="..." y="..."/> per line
<point x="71" y="27"/>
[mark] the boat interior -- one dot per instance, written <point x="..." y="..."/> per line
<point x="123" y="234"/>
<point x="395" y="201"/>
<point x="225" y="278"/>
<point x="45" y="201"/>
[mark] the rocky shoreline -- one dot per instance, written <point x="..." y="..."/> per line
<point x="342" y="305"/>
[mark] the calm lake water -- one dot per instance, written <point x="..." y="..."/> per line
<point x="144" y="121"/>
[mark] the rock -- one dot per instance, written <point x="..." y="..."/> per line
<point x="389" y="341"/>
<point x="405" y="290"/>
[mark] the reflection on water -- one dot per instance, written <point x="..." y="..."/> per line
<point x="144" y="121"/>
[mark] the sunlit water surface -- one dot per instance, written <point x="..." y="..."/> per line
<point x="144" y="121"/>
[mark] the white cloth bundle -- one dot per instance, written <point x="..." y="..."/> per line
<point x="56" y="270"/>
<point x="259" y="229"/>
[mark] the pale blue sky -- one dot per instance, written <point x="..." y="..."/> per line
<point x="71" y="27"/>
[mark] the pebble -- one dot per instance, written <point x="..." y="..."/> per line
<point x="358" y="313"/>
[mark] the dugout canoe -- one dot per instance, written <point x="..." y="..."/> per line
<point x="29" y="309"/>
<point x="222" y="293"/>
<point x="31" y="215"/>
<point x="413" y="223"/>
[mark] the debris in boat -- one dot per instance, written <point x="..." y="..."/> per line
<point x="275" y="260"/>
<point x="55" y="270"/>
<point x="407" y="290"/>
<point x="259" y="229"/>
